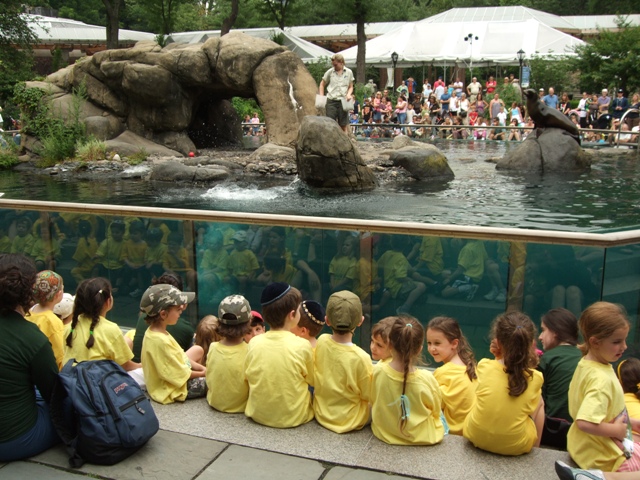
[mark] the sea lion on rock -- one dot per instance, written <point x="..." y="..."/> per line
<point x="544" y="116"/>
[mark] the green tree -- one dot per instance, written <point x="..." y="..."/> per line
<point x="159" y="14"/>
<point x="547" y="73"/>
<point x="611" y="60"/>
<point x="278" y="10"/>
<point x="16" y="39"/>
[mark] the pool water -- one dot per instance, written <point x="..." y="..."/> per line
<point x="607" y="197"/>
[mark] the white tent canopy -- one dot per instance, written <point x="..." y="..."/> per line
<point x="64" y="30"/>
<point x="443" y="44"/>
<point x="307" y="51"/>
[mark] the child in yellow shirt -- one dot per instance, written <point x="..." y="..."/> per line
<point x="170" y="373"/>
<point x="380" y="349"/>
<point x="342" y="369"/>
<point x="279" y="383"/>
<point x="228" y="387"/>
<point x="48" y="291"/>
<point x="457" y="376"/>
<point x="85" y="252"/>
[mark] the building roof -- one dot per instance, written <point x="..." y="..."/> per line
<point x="594" y="22"/>
<point x="500" y="14"/>
<point x="50" y="30"/>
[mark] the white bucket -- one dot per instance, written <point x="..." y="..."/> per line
<point x="347" y="106"/>
<point x="321" y="101"/>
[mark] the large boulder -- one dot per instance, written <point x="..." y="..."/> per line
<point x="177" y="172"/>
<point x="128" y="143"/>
<point x="423" y="161"/>
<point x="553" y="151"/>
<point x="327" y="158"/>
<point x="182" y="90"/>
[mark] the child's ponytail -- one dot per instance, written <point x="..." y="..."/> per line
<point x="516" y="332"/>
<point x="629" y="376"/>
<point x="91" y="296"/>
<point x="406" y="339"/>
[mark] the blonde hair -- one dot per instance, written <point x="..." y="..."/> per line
<point x="206" y="333"/>
<point x="338" y="58"/>
<point x="600" y="320"/>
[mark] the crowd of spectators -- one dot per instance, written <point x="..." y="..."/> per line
<point x="447" y="111"/>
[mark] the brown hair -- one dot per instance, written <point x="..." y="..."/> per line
<point x="306" y="322"/>
<point x="406" y="338"/>
<point x="601" y="320"/>
<point x="206" y="333"/>
<point x="275" y="313"/>
<point x="17" y="276"/>
<point x="515" y="333"/>
<point x="629" y="375"/>
<point x="233" y="332"/>
<point x="451" y="330"/>
<point x="563" y="324"/>
<point x="382" y="328"/>
<point x="91" y="296"/>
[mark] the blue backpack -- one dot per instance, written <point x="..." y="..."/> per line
<point x="101" y="413"/>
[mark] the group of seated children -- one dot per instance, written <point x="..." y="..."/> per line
<point x="284" y="377"/>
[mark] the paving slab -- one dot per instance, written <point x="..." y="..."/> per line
<point x="196" y="417"/>
<point x="243" y="462"/>
<point x="344" y="473"/>
<point x="166" y="455"/>
<point x="457" y="459"/>
<point x="23" y="470"/>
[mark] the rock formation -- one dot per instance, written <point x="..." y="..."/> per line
<point x="327" y="158"/>
<point x="178" y="96"/>
<point x="555" y="150"/>
<point x="423" y="161"/>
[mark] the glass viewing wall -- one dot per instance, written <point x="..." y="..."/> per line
<point x="469" y="273"/>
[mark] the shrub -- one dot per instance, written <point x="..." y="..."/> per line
<point x="91" y="151"/>
<point x="246" y="106"/>
<point x="8" y="158"/>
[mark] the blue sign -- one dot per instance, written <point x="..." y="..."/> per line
<point x="526" y="77"/>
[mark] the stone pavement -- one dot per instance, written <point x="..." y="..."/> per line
<point x="197" y="442"/>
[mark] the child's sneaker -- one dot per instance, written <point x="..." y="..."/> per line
<point x="472" y="292"/>
<point x="501" y="297"/>
<point x="492" y="294"/>
<point x="565" y="472"/>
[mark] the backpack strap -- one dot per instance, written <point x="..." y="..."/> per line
<point x="63" y="416"/>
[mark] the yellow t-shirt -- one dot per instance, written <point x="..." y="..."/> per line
<point x="394" y="267"/>
<point x="5" y="244"/>
<point x="134" y="252"/>
<point x="458" y="394"/>
<point x="498" y="422"/>
<point x="155" y="254"/>
<point x="366" y="278"/>
<point x="423" y="426"/>
<point x="23" y="245"/>
<point x="108" y="343"/>
<point x="432" y="255"/>
<point x="343" y="267"/>
<point x="109" y="253"/>
<point x="342" y="385"/>
<point x="215" y="262"/>
<point x="472" y="258"/>
<point x="242" y="263"/>
<point x="85" y="250"/>
<point x="228" y="389"/>
<point x="53" y="328"/>
<point x="166" y="367"/>
<point x="596" y="396"/>
<point x="633" y="407"/>
<point x="279" y="369"/>
<point x="43" y="250"/>
<point x="178" y="262"/>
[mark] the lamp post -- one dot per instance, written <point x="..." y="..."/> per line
<point x="520" y="54"/>
<point x="470" y="38"/>
<point x="394" y="61"/>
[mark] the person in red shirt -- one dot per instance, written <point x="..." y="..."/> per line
<point x="439" y="82"/>
<point x="491" y="85"/>
<point x="473" y="115"/>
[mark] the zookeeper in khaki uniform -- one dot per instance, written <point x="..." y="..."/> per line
<point x="339" y="83"/>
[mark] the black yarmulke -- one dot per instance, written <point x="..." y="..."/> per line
<point x="273" y="292"/>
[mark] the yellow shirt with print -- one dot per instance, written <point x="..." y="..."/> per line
<point x="342" y="386"/>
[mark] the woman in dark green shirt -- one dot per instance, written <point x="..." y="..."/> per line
<point x="28" y="368"/>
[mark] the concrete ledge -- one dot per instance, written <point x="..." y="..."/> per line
<point x="455" y="458"/>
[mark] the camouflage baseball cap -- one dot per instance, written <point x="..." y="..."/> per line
<point x="159" y="297"/>
<point x="234" y="310"/>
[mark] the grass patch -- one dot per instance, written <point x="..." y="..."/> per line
<point x="138" y="157"/>
<point x="91" y="151"/>
<point x="8" y="158"/>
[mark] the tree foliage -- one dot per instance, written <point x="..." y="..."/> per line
<point x="610" y="61"/>
<point x="16" y="39"/>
